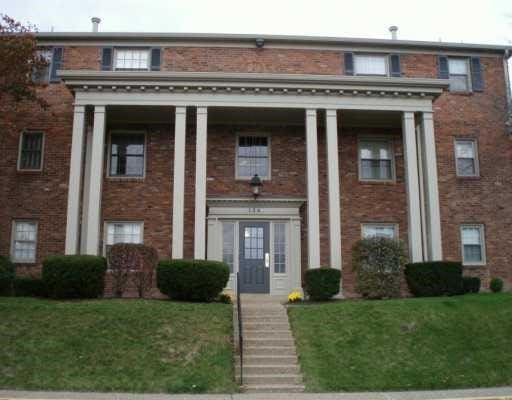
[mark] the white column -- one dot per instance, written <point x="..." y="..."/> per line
<point x="86" y="183"/>
<point x="75" y="180"/>
<point x="433" y="217"/>
<point x="312" y="182"/>
<point x="413" y="188"/>
<point x="331" y="130"/>
<point x="178" y="195"/>
<point x="96" y="179"/>
<point x="200" y="189"/>
<point x="295" y="255"/>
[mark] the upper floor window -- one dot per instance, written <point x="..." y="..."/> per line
<point x="48" y="72"/>
<point x="127" y="154"/>
<point x="459" y="73"/>
<point x="379" y="230"/>
<point x="473" y="248"/>
<point x="370" y="64"/>
<point x="376" y="160"/>
<point x="131" y="59"/>
<point x="24" y="241"/>
<point x="253" y="157"/>
<point x="31" y="151"/>
<point x="466" y="157"/>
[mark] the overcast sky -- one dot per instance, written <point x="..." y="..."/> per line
<point x="469" y="21"/>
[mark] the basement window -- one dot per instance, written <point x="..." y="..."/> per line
<point x="24" y="242"/>
<point x="379" y="230"/>
<point x="473" y="248"/>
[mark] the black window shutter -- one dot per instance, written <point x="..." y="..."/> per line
<point x="56" y="63"/>
<point x="442" y="67"/>
<point x="395" y="65"/>
<point x="155" y="59"/>
<point x="477" y="77"/>
<point x="349" y="64"/>
<point x="106" y="58"/>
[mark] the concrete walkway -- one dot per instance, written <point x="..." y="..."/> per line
<point x="502" y="393"/>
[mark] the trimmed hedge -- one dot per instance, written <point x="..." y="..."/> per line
<point x="496" y="285"/>
<point x="470" y="284"/>
<point x="322" y="283"/>
<point x="7" y="273"/>
<point x="192" y="280"/>
<point x="435" y="278"/>
<point x="29" y="287"/>
<point x="74" y="276"/>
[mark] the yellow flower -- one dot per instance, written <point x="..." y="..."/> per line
<point x="294" y="296"/>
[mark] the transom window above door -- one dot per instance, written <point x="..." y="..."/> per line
<point x="253" y="157"/>
<point x="127" y="154"/>
<point x="376" y="160"/>
<point x="131" y="59"/>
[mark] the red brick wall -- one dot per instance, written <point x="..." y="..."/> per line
<point x="43" y="195"/>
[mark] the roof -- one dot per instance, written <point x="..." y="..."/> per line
<point x="272" y="39"/>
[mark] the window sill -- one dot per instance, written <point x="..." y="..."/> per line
<point x="126" y="178"/>
<point x="27" y="263"/>
<point x="464" y="94"/>
<point x="474" y="266"/>
<point x="469" y="177"/>
<point x="377" y="182"/>
<point x="29" y="171"/>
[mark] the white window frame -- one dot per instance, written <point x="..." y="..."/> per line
<point x="380" y="224"/>
<point x="20" y="144"/>
<point x="383" y="56"/>
<point x="113" y="222"/>
<point x="468" y="75"/>
<point x="381" y="139"/>
<point x="481" y="228"/>
<point x="121" y="49"/>
<point x="269" y="146"/>
<point x="234" y="226"/>
<point x="13" y="241"/>
<point x="285" y="225"/>
<point x="109" y="153"/>
<point x="49" y="58"/>
<point x="475" y="152"/>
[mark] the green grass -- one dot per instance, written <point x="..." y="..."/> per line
<point x="115" y="345"/>
<point x="429" y="343"/>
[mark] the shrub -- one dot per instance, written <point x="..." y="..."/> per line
<point x="192" y="280"/>
<point x="225" y="298"/>
<point x="322" y="283"/>
<point x="470" y="284"/>
<point x="7" y="273"/>
<point x="29" y="287"/>
<point x="496" y="285"/>
<point x="74" y="277"/>
<point x="378" y="263"/>
<point x="435" y="278"/>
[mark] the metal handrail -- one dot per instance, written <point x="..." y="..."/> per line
<point x="240" y="332"/>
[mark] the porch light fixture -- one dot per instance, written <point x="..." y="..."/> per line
<point x="256" y="185"/>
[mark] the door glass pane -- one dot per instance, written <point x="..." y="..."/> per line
<point x="253" y="243"/>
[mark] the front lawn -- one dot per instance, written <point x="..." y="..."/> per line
<point x="429" y="343"/>
<point x="115" y="345"/>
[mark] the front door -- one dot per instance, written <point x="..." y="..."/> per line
<point x="254" y="257"/>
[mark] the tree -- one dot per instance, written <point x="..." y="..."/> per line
<point x="20" y="61"/>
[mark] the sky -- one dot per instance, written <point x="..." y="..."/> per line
<point x="469" y="21"/>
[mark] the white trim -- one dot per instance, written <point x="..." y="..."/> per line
<point x="481" y="228"/>
<point x="239" y="134"/>
<point x="75" y="182"/>
<point x="474" y="143"/>
<point x="200" y="188"/>
<point x="117" y="131"/>
<point x="331" y="131"/>
<point x="13" y="240"/>
<point x="20" y="145"/>
<point x="108" y="222"/>
<point x="178" y="195"/>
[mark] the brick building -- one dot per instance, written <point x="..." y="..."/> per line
<point x="155" y="138"/>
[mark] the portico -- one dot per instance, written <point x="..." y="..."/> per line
<point x="203" y="92"/>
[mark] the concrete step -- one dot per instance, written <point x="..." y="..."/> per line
<point x="269" y="342"/>
<point x="277" y="370"/>
<point x="273" y="388"/>
<point x="266" y="326"/>
<point x="248" y="335"/>
<point x="269" y="379"/>
<point x="264" y="319"/>
<point x="269" y="360"/>
<point x="269" y="350"/>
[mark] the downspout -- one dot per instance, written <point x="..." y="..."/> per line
<point x="506" y="57"/>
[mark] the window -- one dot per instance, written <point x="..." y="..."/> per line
<point x="31" y="151"/>
<point x="466" y="157"/>
<point x="127" y="154"/>
<point x="24" y="242"/>
<point x="253" y="157"/>
<point x="228" y="244"/>
<point x="473" y="249"/>
<point x="370" y="64"/>
<point x="376" y="160"/>
<point x="459" y="74"/>
<point x="42" y="74"/>
<point x="280" y="248"/>
<point x="379" y="230"/>
<point x="253" y="243"/>
<point x="131" y="59"/>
